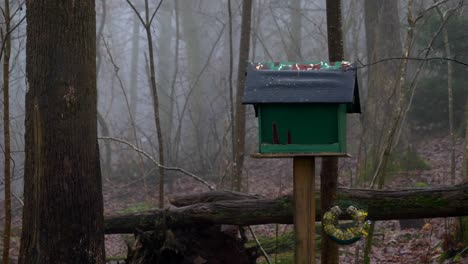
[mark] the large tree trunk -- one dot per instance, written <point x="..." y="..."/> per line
<point x="63" y="211"/>
<point x="213" y="208"/>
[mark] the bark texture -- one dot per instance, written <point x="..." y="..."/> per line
<point x="381" y="205"/>
<point x="63" y="212"/>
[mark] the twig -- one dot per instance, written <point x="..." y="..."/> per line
<point x="14" y="195"/>
<point x="260" y="246"/>
<point x="137" y="13"/>
<point x="154" y="13"/>
<point x="435" y="5"/>
<point x="2" y="49"/>
<point x="412" y="58"/>
<point x="157" y="163"/>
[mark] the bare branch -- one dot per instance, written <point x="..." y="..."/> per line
<point x="435" y="5"/>
<point x="14" y="195"/>
<point x="137" y="13"/>
<point x="154" y="13"/>
<point x="157" y="163"/>
<point x="259" y="245"/>
<point x="412" y="58"/>
<point x="2" y="48"/>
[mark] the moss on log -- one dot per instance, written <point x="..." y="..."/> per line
<point x="381" y="205"/>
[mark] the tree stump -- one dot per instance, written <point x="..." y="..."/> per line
<point x="195" y="244"/>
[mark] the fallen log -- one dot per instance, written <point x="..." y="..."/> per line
<point x="381" y="205"/>
<point x="209" y="197"/>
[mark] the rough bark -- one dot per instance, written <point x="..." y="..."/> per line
<point x="63" y="211"/>
<point x="329" y="173"/>
<point x="381" y="205"/>
<point x="239" y="124"/>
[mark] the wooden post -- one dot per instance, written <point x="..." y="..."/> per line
<point x="304" y="209"/>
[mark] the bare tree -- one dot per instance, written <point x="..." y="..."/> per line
<point x="146" y="22"/>
<point x="166" y="66"/>
<point x="448" y="54"/>
<point x="239" y="124"/>
<point x="295" y="28"/>
<point x="134" y="63"/>
<point x="465" y="151"/>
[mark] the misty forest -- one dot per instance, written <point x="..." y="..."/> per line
<point x="234" y="131"/>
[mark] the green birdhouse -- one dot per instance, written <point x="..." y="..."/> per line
<point x="302" y="107"/>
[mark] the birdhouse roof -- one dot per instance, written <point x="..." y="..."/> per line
<point x="307" y="82"/>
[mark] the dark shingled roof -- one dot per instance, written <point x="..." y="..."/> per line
<point x="302" y="86"/>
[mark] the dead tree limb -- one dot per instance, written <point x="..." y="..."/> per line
<point x="381" y="205"/>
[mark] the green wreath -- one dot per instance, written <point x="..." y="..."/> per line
<point x="350" y="235"/>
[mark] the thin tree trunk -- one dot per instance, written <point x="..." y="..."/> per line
<point x="174" y="148"/>
<point x="6" y="133"/>
<point x="156" y="108"/>
<point x="133" y="83"/>
<point x="165" y="55"/>
<point x="464" y="220"/>
<point x="231" y="90"/>
<point x="465" y="152"/>
<point x="105" y="132"/>
<point x="448" y="54"/>
<point x="295" y="41"/>
<point x="191" y="34"/>
<point x="63" y="210"/>
<point x="244" y="49"/>
<point x="329" y="173"/>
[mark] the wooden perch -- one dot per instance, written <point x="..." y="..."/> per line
<point x="236" y="209"/>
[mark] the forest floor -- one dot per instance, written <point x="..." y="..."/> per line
<point x="272" y="178"/>
<point x="392" y="244"/>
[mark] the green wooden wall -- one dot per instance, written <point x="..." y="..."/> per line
<point x="312" y="128"/>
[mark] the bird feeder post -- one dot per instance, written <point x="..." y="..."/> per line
<point x="301" y="110"/>
<point x="304" y="209"/>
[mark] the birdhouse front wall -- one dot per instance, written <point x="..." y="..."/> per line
<point x="302" y="128"/>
